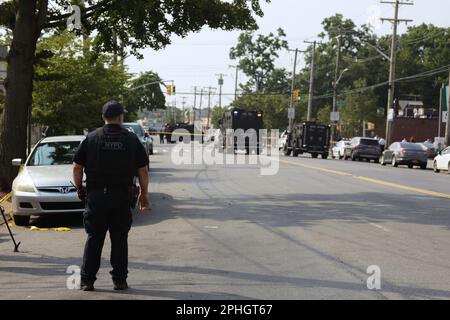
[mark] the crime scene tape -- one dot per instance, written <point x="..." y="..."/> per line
<point x="179" y="134"/>
<point x="34" y="228"/>
<point x="6" y="198"/>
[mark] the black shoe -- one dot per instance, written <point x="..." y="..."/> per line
<point x="120" y="285"/>
<point x="87" y="286"/>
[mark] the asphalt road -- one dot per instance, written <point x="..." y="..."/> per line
<point x="227" y="232"/>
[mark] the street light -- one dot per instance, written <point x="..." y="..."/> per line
<point x="335" y="91"/>
<point x="340" y="77"/>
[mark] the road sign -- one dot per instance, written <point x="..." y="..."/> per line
<point x="391" y="115"/>
<point x="335" y="116"/>
<point x="291" y="113"/>
<point x="341" y="104"/>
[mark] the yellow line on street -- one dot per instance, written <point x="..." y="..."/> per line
<point x="374" y="181"/>
<point x="403" y="187"/>
<point x="340" y="173"/>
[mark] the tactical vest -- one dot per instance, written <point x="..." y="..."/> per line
<point x="111" y="158"/>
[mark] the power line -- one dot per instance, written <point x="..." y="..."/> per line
<point x="393" y="61"/>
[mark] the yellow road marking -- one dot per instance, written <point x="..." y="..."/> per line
<point x="375" y="181"/>
<point x="340" y="173"/>
<point x="403" y="187"/>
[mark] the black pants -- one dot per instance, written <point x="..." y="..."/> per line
<point x="107" y="209"/>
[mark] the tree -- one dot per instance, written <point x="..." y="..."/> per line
<point x="70" y="87"/>
<point x="134" y="24"/>
<point x="216" y="116"/>
<point x="257" y="59"/>
<point x="360" y="108"/>
<point x="145" y="93"/>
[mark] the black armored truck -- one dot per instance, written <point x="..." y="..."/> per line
<point x="240" y="130"/>
<point x="308" y="137"/>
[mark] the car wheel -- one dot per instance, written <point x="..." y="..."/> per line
<point x="424" y="166"/>
<point x="324" y="156"/>
<point x="382" y="161"/>
<point x="410" y="166"/>
<point x="394" y="162"/>
<point x="376" y="161"/>
<point x="287" y="151"/>
<point x="295" y="153"/>
<point x="435" y="167"/>
<point x="21" y="221"/>
<point x="448" y="168"/>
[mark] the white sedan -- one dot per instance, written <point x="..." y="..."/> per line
<point x="339" y="149"/>
<point x="442" y="161"/>
<point x="43" y="186"/>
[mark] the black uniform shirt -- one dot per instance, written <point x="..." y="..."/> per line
<point x="140" y="156"/>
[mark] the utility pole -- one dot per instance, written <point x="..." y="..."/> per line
<point x="441" y="109"/>
<point x="195" y="102"/>
<point x="209" y="105"/>
<point x="236" y="81"/>
<point x="393" y="62"/>
<point x="335" y="87"/>
<point x="220" y="88"/>
<point x="291" y="121"/>
<point x="184" y="104"/>
<point x="311" y="80"/>
<point x="447" y="127"/>
<point x="201" y="103"/>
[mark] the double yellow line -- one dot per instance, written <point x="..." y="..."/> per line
<point x="374" y="181"/>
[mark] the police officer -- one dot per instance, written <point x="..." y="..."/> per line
<point x="111" y="157"/>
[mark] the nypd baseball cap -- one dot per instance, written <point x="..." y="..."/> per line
<point x="113" y="109"/>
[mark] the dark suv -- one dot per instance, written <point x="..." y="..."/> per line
<point x="363" y="148"/>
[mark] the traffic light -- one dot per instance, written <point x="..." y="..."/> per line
<point x="171" y="90"/>
<point x="296" y="95"/>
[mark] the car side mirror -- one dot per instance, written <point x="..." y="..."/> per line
<point x="17" y="162"/>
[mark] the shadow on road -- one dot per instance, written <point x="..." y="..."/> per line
<point x="51" y="267"/>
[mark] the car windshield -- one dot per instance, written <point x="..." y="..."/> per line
<point x="137" y="129"/>
<point x="411" y="146"/>
<point x="54" y="153"/>
<point x="369" y="142"/>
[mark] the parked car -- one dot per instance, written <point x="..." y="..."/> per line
<point x="363" y="148"/>
<point x="43" y="186"/>
<point x="442" y="161"/>
<point x="339" y="149"/>
<point x="430" y="148"/>
<point x="144" y="137"/>
<point x="404" y="153"/>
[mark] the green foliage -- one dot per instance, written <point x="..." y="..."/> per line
<point x="359" y="107"/>
<point x="144" y="23"/>
<point x="145" y="93"/>
<point x="257" y="57"/>
<point x="70" y="87"/>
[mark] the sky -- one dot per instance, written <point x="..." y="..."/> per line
<point x="197" y="59"/>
